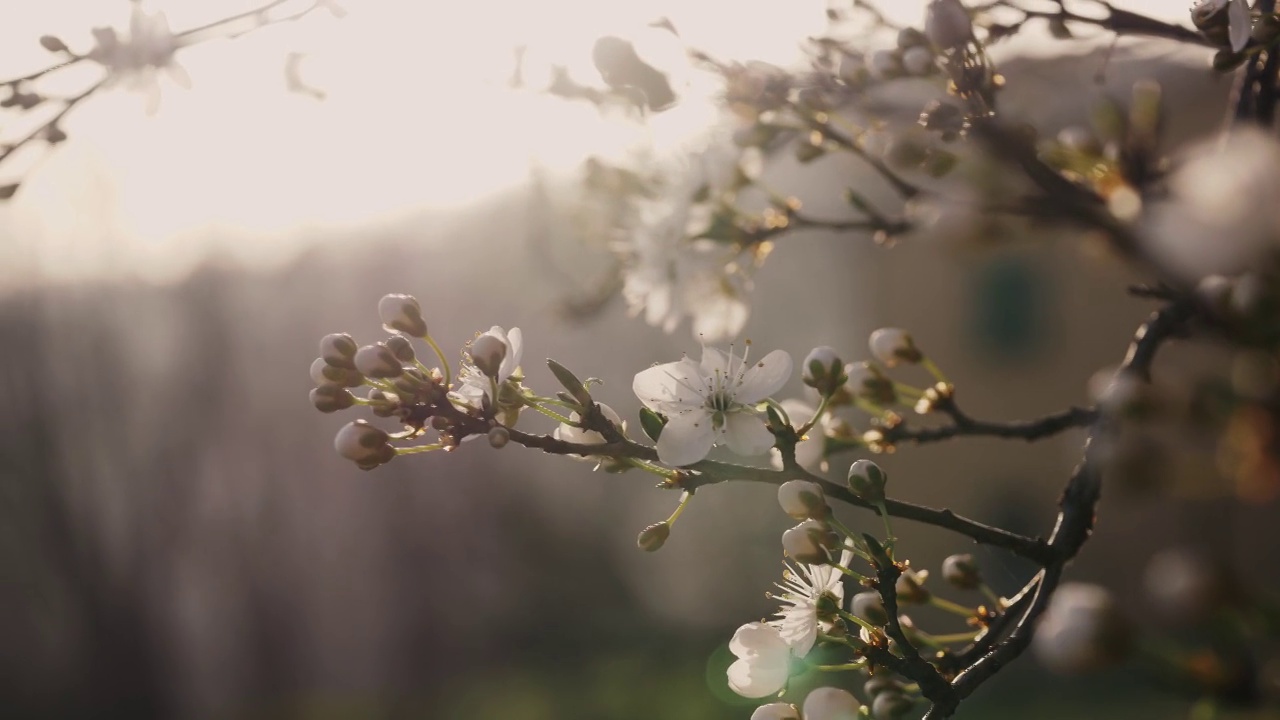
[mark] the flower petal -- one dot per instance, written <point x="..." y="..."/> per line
<point x="671" y="387"/>
<point x="515" y="351"/>
<point x="1240" y="24"/>
<point x="756" y="638"/>
<point x="714" y="361"/>
<point x="686" y="438"/>
<point x="746" y="434"/>
<point x="764" y="378"/>
<point x="756" y="680"/>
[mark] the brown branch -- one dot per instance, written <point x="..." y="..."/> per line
<point x="964" y="426"/>
<point x="1117" y="20"/>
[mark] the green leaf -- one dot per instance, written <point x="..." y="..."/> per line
<point x="570" y="383"/>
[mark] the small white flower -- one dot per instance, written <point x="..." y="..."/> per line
<point x="497" y="347"/>
<point x="764" y="661"/>
<point x="148" y="46"/>
<point x="893" y="345"/>
<point x="1081" y="630"/>
<point x="804" y="588"/>
<point x="582" y="436"/>
<point x="776" y="711"/>
<point x="712" y="402"/>
<point x="811" y="450"/>
<point x="828" y="703"/>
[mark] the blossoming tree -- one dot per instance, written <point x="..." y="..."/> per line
<point x="1202" y="229"/>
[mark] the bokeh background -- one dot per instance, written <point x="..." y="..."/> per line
<point x="177" y="538"/>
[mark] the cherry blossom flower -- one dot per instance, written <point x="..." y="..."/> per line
<point x="712" y="402"/>
<point x="810" y="594"/>
<point x="764" y="661"/>
<point x="135" y="57"/>
<point x="811" y="450"/>
<point x="582" y="436"/>
<point x="505" y="349"/>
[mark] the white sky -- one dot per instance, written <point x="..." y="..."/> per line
<point x="416" y="118"/>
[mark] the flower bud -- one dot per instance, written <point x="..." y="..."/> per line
<point x="359" y="441"/>
<point x="812" y="542"/>
<point x="803" y="500"/>
<point x="400" y="346"/>
<point x="823" y="370"/>
<point x="918" y="60"/>
<point x="885" y="64"/>
<point x="499" y="437"/>
<point x="869" y="383"/>
<point x="377" y="361"/>
<point x="890" y="706"/>
<point x="961" y="571"/>
<point x="402" y="313"/>
<point x="654" y="537"/>
<point x="893" y="345"/>
<point x="1186" y="586"/>
<point x="582" y="436"/>
<point x="870" y="607"/>
<point x="911" y="37"/>
<point x="910" y="587"/>
<point x="339" y="350"/>
<point x="853" y="69"/>
<point x="1081" y="630"/>
<point x="867" y="481"/>
<point x="776" y="711"/>
<point x="881" y="682"/>
<point x="318" y="375"/>
<point x="487" y="352"/>
<point x="828" y="703"/>
<point x="322" y="373"/>
<point x="947" y="24"/>
<point x="331" y="398"/>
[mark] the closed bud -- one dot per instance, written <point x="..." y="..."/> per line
<point x="870" y="607"/>
<point x="890" y="706"/>
<point x="881" y="682"/>
<point x="361" y="442"/>
<point x="867" y="481"/>
<point x="885" y="64"/>
<point x="910" y="587"/>
<point x="869" y="383"/>
<point x="894" y="345"/>
<point x="776" y="711"/>
<point x="812" y="542"/>
<point x="828" y="703"/>
<point x="487" y="353"/>
<point x="322" y="373"/>
<point x="1186" y="586"/>
<point x="911" y="37"/>
<point x="402" y="313"/>
<point x="52" y="44"/>
<point x="947" y="24"/>
<point x="803" y="500"/>
<point x="331" y="398"/>
<point x="823" y="370"/>
<point x="961" y="571"/>
<point x="318" y="375"/>
<point x="400" y="346"/>
<point x="1081" y="630"/>
<point x="499" y="437"/>
<point x="918" y="60"/>
<point x="339" y="350"/>
<point x="654" y="537"/>
<point x="377" y="361"/>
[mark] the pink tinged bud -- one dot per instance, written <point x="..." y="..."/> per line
<point x="961" y="571"/>
<point x="1081" y="630"/>
<point x="487" y="353"/>
<point x="870" y="607"/>
<point x="339" y="350"/>
<point x="403" y="314"/>
<point x="947" y="24"/>
<point x="361" y="442"/>
<point x="810" y="542"/>
<point x="828" y="703"/>
<point x="867" y="481"/>
<point x="654" y="537"/>
<point x="776" y="711"/>
<point x="891" y="346"/>
<point x="803" y="500"/>
<point x="377" y="361"/>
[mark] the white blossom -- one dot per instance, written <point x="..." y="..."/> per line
<point x="764" y="661"/>
<point x="804" y="587"/>
<point x="582" y="436"/>
<point x="402" y="313"/>
<point x="776" y="711"/>
<point x="712" y="402"/>
<point x="811" y="449"/>
<point x="828" y="703"/>
<point x="135" y="57"/>
<point x="474" y="384"/>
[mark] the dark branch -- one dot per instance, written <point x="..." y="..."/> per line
<point x="964" y="426"/>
